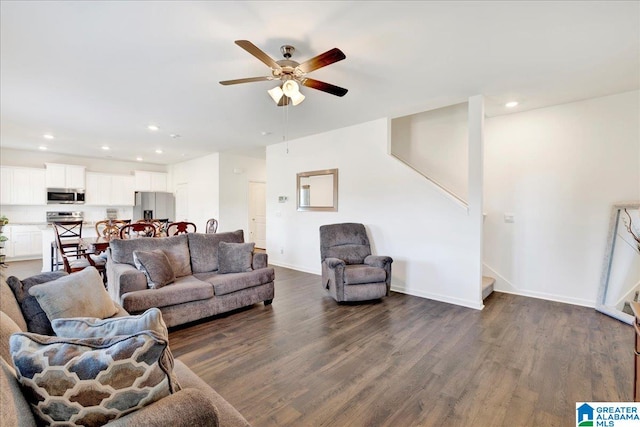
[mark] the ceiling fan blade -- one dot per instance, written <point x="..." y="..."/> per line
<point x="322" y="60"/>
<point x="255" y="51"/>
<point x="247" y="80"/>
<point x="325" y="87"/>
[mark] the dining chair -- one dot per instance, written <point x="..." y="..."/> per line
<point x="212" y="226"/>
<point x="138" y="229"/>
<point x="74" y="256"/>
<point x="110" y="227"/>
<point x="159" y="224"/>
<point x="181" y="227"/>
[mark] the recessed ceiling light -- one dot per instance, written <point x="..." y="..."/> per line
<point x="47" y="136"/>
<point x="42" y="147"/>
<point x="158" y="151"/>
<point x="139" y="159"/>
<point x="174" y="135"/>
<point x="511" y="104"/>
<point x="153" y="127"/>
<point x="105" y="147"/>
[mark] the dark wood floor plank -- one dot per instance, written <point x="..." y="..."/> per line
<point x="406" y="361"/>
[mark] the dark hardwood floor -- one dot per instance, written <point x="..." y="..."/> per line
<point x="408" y="361"/>
<point x="404" y="361"/>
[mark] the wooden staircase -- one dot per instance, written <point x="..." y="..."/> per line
<point x="487" y="286"/>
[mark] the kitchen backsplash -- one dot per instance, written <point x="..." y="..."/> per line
<point x="38" y="214"/>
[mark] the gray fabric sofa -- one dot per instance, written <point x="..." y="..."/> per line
<point x="200" y="290"/>
<point x="196" y="404"/>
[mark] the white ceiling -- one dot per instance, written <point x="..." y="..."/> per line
<point x="97" y="73"/>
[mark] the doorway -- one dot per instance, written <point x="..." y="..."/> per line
<point x="257" y="214"/>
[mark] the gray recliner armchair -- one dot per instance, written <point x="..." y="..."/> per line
<point x="349" y="271"/>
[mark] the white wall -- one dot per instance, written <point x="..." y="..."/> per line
<point x="235" y="174"/>
<point x="435" y="142"/>
<point x="218" y="187"/>
<point x="199" y="178"/>
<point x="558" y="170"/>
<point x="430" y="238"/>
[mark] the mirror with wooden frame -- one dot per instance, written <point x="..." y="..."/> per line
<point x="317" y="190"/>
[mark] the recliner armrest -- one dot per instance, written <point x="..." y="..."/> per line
<point x="378" y="261"/>
<point x="334" y="262"/>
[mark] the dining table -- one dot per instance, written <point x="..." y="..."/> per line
<point x="95" y="245"/>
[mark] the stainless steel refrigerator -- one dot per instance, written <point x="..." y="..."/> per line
<point x="154" y="205"/>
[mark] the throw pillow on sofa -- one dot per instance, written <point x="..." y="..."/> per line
<point x="81" y="294"/>
<point x="235" y="257"/>
<point x="176" y="248"/>
<point x="156" y="267"/>
<point x="90" y="327"/>
<point x="36" y="319"/>
<point x="90" y="381"/>
<point x="204" y="248"/>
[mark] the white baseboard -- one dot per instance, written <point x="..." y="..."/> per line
<point x="317" y="272"/>
<point x="435" y="297"/>
<point x="442" y="298"/>
<point x="503" y="285"/>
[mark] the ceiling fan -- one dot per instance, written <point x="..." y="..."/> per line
<point x="291" y="73"/>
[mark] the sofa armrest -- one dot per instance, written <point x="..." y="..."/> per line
<point x="260" y="260"/>
<point x="378" y="261"/>
<point x="188" y="407"/>
<point x="123" y="278"/>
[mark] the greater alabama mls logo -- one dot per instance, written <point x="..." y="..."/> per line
<point x="607" y="414"/>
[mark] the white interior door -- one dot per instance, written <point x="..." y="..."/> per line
<point x="258" y="214"/>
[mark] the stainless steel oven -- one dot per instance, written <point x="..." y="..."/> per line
<point x="58" y="216"/>
<point x="65" y="196"/>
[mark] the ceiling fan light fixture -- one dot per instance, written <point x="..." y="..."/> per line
<point x="276" y="94"/>
<point x="291" y="89"/>
<point x="288" y="71"/>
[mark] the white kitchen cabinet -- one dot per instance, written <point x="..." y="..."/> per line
<point x="122" y="192"/>
<point x="150" y="181"/>
<point x="6" y="185"/>
<point x="65" y="176"/>
<point x="94" y="194"/>
<point x="22" y="186"/>
<point x="109" y="190"/>
<point x="25" y="241"/>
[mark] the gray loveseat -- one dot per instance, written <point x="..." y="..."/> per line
<point x="196" y="404"/>
<point x="200" y="289"/>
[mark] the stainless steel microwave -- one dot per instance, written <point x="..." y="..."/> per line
<point x="65" y="196"/>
